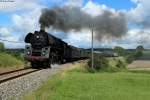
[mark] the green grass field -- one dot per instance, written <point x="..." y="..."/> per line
<point x="79" y="84"/>
<point x="7" y="60"/>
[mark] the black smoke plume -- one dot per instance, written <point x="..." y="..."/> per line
<point x="110" y="24"/>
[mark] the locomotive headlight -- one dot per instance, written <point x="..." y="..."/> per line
<point x="28" y="50"/>
<point x="37" y="37"/>
<point x="44" y="53"/>
<point x="28" y="53"/>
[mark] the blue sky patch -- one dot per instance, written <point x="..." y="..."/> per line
<point x="116" y="4"/>
<point x="5" y="19"/>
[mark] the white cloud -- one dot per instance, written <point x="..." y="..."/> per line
<point x="138" y="36"/>
<point x="13" y="45"/>
<point x="132" y="39"/>
<point x="6" y="35"/>
<point x="22" y="22"/>
<point x="74" y="3"/>
<point x="135" y="37"/>
<point x="140" y="14"/>
<point x="4" y="32"/>
<point x="83" y="39"/>
<point x="95" y="9"/>
<point x="26" y="22"/>
<point x="135" y="1"/>
<point x="79" y="39"/>
<point x="19" y="5"/>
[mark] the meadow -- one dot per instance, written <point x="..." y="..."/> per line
<point x="79" y="84"/>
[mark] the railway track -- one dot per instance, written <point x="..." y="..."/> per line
<point x="10" y="75"/>
<point x="6" y="76"/>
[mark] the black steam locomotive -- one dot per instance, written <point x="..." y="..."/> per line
<point x="45" y="49"/>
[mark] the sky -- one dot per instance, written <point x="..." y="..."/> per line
<point x="20" y="17"/>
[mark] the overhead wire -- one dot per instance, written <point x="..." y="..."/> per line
<point x="11" y="41"/>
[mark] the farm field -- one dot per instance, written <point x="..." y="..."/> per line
<point x="142" y="63"/>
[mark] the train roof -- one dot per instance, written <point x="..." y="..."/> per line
<point x="55" y="38"/>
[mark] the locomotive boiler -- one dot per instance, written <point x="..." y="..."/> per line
<point x="46" y="49"/>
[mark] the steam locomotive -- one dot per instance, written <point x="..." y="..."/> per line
<point x="45" y="49"/>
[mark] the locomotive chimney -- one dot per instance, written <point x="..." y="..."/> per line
<point x="42" y="28"/>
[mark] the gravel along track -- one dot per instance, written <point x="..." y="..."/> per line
<point x="15" y="74"/>
<point x="16" y="88"/>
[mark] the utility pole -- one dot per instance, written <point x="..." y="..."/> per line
<point x="92" y="57"/>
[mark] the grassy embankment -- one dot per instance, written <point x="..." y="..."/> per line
<point x="79" y="84"/>
<point x="9" y="60"/>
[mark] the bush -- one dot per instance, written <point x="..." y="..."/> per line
<point x="120" y="51"/>
<point x="99" y="63"/>
<point x="2" y="48"/>
<point x="138" y="54"/>
<point x="120" y="64"/>
<point x="18" y="56"/>
<point x="139" y="48"/>
<point x="130" y="58"/>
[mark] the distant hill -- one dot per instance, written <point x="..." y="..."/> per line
<point x="109" y="49"/>
<point x="15" y="50"/>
